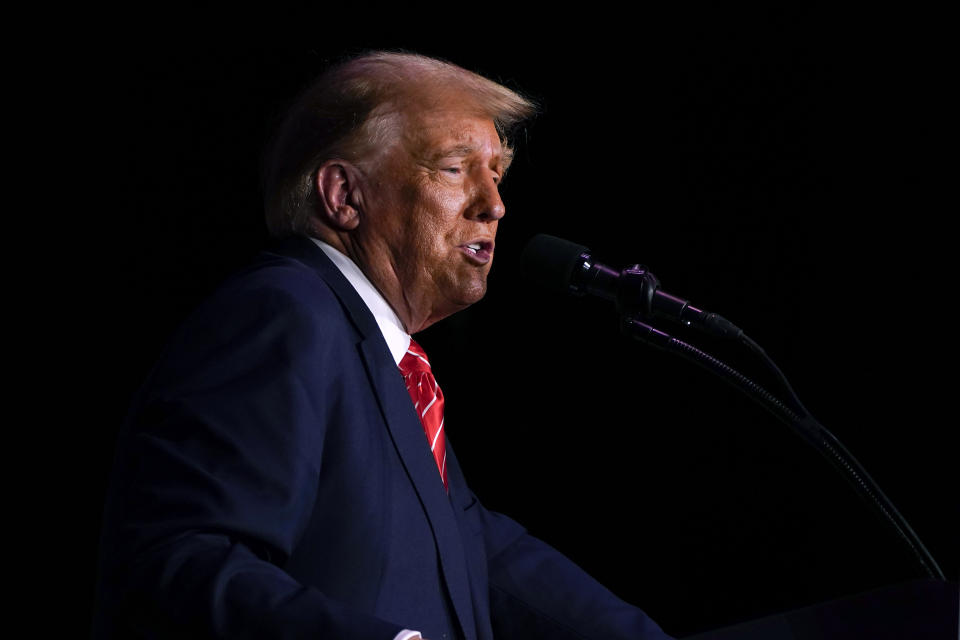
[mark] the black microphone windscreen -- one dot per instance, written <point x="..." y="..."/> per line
<point x="550" y="261"/>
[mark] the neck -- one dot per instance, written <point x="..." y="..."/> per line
<point x="411" y="309"/>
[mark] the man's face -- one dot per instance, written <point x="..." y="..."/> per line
<point x="432" y="213"/>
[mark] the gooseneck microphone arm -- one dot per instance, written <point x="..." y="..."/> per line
<point x="570" y="268"/>
<point x="804" y="425"/>
<point x="567" y="267"/>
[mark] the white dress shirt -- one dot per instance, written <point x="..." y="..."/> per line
<point x="398" y="340"/>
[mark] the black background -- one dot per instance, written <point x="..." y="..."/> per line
<point x="784" y="169"/>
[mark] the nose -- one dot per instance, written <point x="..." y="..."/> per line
<point x="487" y="205"/>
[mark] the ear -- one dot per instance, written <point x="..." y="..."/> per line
<point x="338" y="192"/>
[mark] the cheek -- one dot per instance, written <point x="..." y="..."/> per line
<point x="438" y="218"/>
<point x="447" y="203"/>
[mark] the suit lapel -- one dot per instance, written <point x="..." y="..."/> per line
<point x="407" y="434"/>
<point x="403" y="425"/>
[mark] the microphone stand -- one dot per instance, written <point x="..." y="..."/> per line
<point x="799" y="420"/>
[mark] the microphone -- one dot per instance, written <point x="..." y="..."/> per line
<point x="567" y="267"/>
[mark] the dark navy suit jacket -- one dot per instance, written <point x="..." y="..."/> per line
<point x="273" y="481"/>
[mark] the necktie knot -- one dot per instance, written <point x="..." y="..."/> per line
<point x="414" y="360"/>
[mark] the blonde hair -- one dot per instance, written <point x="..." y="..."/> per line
<point x="352" y="112"/>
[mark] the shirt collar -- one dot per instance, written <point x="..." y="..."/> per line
<point x="390" y="326"/>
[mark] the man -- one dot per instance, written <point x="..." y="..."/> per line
<point x="274" y="479"/>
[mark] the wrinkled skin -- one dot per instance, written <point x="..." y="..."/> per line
<point x="423" y="200"/>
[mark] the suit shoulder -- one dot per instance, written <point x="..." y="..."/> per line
<point x="278" y="278"/>
<point x="275" y="285"/>
<point x="275" y="305"/>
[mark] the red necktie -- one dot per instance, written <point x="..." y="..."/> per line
<point x="427" y="400"/>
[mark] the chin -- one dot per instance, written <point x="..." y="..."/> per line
<point x="460" y="300"/>
<point x="467" y="296"/>
<point x="476" y="292"/>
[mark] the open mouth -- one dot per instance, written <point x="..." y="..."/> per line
<point x="480" y="251"/>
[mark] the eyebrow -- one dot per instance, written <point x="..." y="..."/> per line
<point x="456" y="151"/>
<point x="463" y="150"/>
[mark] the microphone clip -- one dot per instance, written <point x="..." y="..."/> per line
<point x="639" y="294"/>
<point x="636" y="288"/>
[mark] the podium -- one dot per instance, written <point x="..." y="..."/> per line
<point x="916" y="610"/>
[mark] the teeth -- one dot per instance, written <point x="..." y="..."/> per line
<point x="475" y="246"/>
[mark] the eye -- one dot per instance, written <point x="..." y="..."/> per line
<point x="453" y="170"/>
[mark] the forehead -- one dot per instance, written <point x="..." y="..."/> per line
<point x="440" y="131"/>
